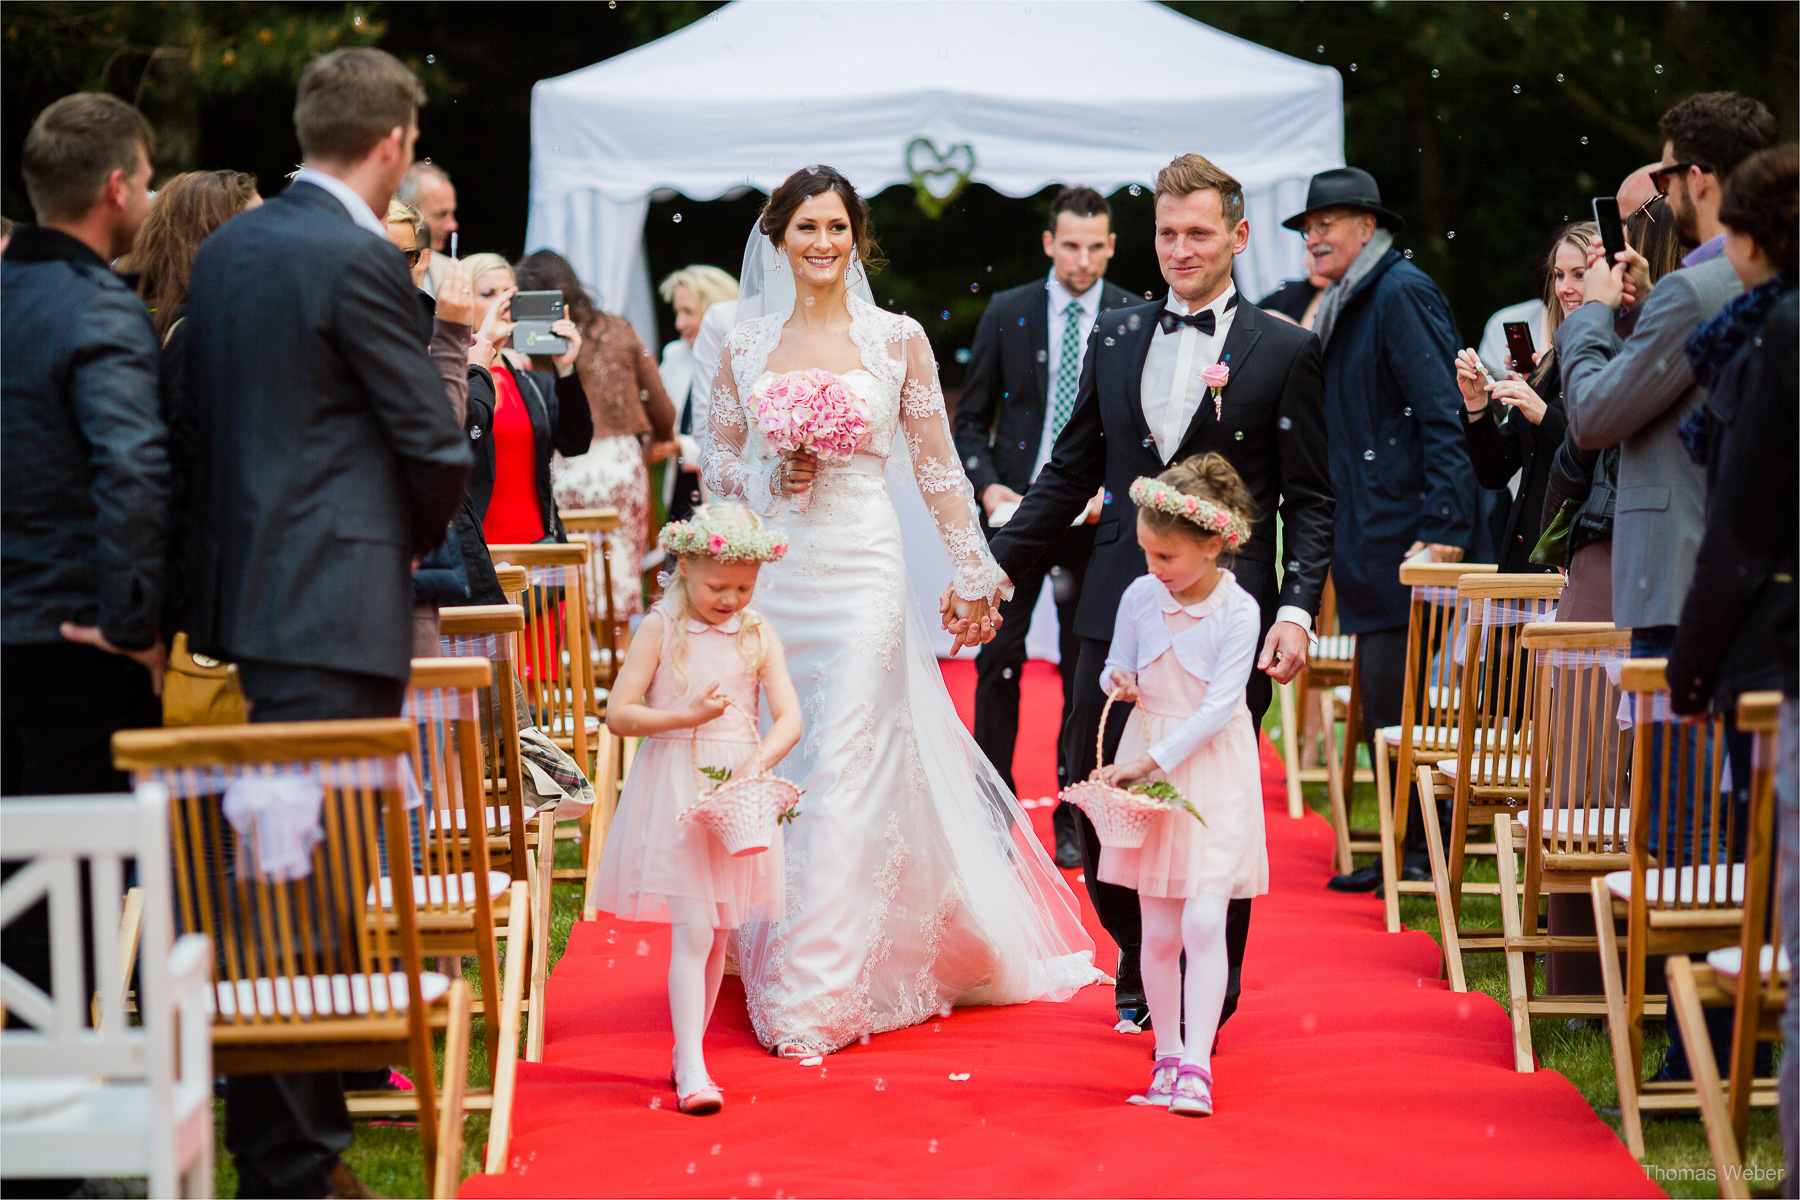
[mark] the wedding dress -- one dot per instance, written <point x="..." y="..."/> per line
<point x="914" y="882"/>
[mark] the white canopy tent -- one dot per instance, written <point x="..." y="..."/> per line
<point x="1019" y="96"/>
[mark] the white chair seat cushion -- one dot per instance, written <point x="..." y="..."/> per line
<point x="497" y="818"/>
<point x="30" y="1096"/>
<point x="1392" y="733"/>
<point x="1662" y="880"/>
<point x="1730" y="960"/>
<point x="1341" y="693"/>
<point x="324" y="995"/>
<point x="1338" y="647"/>
<point x="429" y="890"/>
<point x="1603" y="822"/>
<point x="1487" y="769"/>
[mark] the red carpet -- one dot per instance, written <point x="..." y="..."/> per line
<point x="1349" y="1069"/>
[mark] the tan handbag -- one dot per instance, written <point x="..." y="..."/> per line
<point x="200" y="691"/>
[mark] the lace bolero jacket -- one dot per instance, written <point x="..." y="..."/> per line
<point x="904" y="397"/>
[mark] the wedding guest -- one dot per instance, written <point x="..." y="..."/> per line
<point x="1524" y="442"/>
<point x="328" y="461"/>
<point x="1297" y="299"/>
<point x="535" y="416"/>
<point x="1402" y="479"/>
<point x="698" y="668"/>
<point x="632" y="425"/>
<point x="690" y="292"/>
<point x="427" y="187"/>
<point x="1018" y="393"/>
<point x="187" y="210"/>
<point x="408" y="231"/>
<point x="84" y="469"/>
<point x="1183" y="646"/>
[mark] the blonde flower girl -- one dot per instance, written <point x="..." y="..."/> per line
<point x="1182" y="649"/>
<point x="689" y="687"/>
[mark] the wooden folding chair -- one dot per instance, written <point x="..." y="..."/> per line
<point x="1491" y="769"/>
<point x="313" y="974"/>
<point x="1686" y="895"/>
<point x="1329" y="666"/>
<point x="1757" y="996"/>
<point x="463" y="905"/>
<point x="1577" y="811"/>
<point x="599" y="527"/>
<point x="1428" y="713"/>
<point x="118" y="1099"/>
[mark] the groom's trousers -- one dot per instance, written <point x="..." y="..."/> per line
<point x="1117" y="907"/>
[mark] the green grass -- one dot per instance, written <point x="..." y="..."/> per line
<point x="1676" y="1155"/>
<point x="386" y="1157"/>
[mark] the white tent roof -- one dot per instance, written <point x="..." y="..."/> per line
<point x="1101" y="92"/>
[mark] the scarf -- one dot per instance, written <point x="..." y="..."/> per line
<point x="1715" y="343"/>
<point x="1332" y="303"/>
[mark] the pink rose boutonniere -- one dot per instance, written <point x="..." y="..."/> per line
<point x="1216" y="377"/>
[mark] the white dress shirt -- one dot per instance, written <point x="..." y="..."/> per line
<point x="1173" y="390"/>
<point x="1172" y="387"/>
<point x="1058" y="303"/>
<point x="355" y="205"/>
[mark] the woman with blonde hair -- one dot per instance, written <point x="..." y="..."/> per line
<point x="1527" y="437"/>
<point x="690" y="292"/>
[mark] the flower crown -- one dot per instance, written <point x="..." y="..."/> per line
<point x="1210" y="517"/>
<point x="733" y="543"/>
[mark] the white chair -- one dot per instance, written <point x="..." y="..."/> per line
<point x="104" y="1098"/>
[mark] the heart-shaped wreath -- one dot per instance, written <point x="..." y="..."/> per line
<point x="938" y="177"/>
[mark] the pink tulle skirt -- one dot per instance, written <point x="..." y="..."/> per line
<point x="652" y="856"/>
<point x="1227" y="856"/>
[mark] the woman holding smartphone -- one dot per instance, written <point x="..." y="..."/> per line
<point x="536" y="414"/>
<point x="1517" y="424"/>
<point x="633" y="424"/>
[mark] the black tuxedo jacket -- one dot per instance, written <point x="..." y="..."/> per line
<point x="1000" y="418"/>
<point x="1272" y="429"/>
<point x="327" y="455"/>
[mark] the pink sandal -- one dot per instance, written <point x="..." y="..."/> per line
<point x="1162" y="1084"/>
<point x="1193" y="1092"/>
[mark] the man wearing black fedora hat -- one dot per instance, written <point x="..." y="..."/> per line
<point x="1402" y="478"/>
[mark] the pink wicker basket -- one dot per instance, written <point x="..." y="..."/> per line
<point x="1122" y="818"/>
<point x="743" y="812"/>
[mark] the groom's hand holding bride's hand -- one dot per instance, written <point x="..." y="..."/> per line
<point x="970" y="622"/>
<point x="1284" y="651"/>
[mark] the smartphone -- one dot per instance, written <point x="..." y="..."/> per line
<point x="1518" y="344"/>
<point x="1612" y="228"/>
<point x="533" y="314"/>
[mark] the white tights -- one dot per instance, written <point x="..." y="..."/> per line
<point x="696" y="966"/>
<point x="1196" y="925"/>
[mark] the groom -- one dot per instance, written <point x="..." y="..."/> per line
<point x="1141" y="407"/>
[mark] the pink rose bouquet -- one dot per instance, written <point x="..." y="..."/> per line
<point x="811" y="411"/>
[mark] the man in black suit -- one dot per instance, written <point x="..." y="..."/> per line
<point x="1017" y="395"/>
<point x="1142" y="406"/>
<point x="328" y="462"/>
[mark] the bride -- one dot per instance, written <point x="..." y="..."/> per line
<point x="914" y="881"/>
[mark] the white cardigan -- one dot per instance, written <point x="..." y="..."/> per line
<point x="1220" y="651"/>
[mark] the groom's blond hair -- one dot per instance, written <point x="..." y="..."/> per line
<point x="1192" y="173"/>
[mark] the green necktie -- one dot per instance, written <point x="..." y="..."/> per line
<point x="1068" y="371"/>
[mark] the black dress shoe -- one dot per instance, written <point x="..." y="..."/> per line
<point x="1416" y="868"/>
<point x="1363" y="879"/>
<point x="1068" y="852"/>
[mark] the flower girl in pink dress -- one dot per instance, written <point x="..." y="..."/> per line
<point x="689" y="687"/>
<point x="1182" y="649"/>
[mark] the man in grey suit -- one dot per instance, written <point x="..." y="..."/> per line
<point x="327" y="463"/>
<point x="1634" y="394"/>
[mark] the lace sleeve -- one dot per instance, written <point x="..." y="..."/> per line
<point x="726" y="463"/>
<point x="942" y="483"/>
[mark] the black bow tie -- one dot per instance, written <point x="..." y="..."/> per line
<point x="1204" y="320"/>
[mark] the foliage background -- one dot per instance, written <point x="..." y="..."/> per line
<point x="1487" y="124"/>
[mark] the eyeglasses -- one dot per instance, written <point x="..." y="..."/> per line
<point x="413" y="255"/>
<point x="1320" y="227"/>
<point x="1660" y="178"/>
<point x="1644" y="209"/>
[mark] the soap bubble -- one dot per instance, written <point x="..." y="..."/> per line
<point x="1043" y="356"/>
<point x="943" y="52"/>
<point x="1109" y="341"/>
<point x="1559" y="77"/>
<point x="945" y="315"/>
<point x="430" y="58"/>
<point x="1516" y="89"/>
<point x="1285" y="423"/>
<point x="1450" y="234"/>
<point x="1584" y="141"/>
<point x="677" y="218"/>
<point x="1434" y="72"/>
<point x="974" y="287"/>
<point x="1368" y="456"/>
<point x="1659" y="68"/>
<point x="1408" y="253"/>
<point x="1353" y="68"/>
<point x="1135" y="190"/>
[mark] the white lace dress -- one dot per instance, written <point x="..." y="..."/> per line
<point x="914" y="881"/>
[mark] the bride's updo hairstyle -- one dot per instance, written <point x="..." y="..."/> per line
<point x="1221" y="505"/>
<point x="802" y="186"/>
